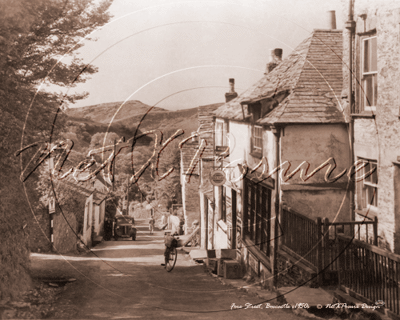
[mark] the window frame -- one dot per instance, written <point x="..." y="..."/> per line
<point x="257" y="215"/>
<point x="366" y="200"/>
<point x="364" y="91"/>
<point x="219" y="133"/>
<point x="256" y="150"/>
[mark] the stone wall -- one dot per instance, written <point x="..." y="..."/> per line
<point x="39" y="231"/>
<point x="329" y="203"/>
<point x="64" y="230"/>
<point x="291" y="274"/>
<point x="378" y="138"/>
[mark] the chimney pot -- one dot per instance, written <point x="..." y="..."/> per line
<point x="231" y="94"/>
<point x="274" y="60"/>
<point x="276" y="55"/>
<point x="331" y="19"/>
<point x="232" y="85"/>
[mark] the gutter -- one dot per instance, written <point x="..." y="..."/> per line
<point x="351" y="26"/>
<point x="276" y="131"/>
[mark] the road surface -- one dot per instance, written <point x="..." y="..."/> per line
<point x="124" y="279"/>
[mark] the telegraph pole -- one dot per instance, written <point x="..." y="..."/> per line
<point x="113" y="168"/>
<point x="127" y="197"/>
<point x="52" y="202"/>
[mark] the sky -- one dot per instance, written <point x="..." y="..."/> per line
<point x="181" y="54"/>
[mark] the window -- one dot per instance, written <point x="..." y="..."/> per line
<point x="369" y="73"/>
<point x="256" y="140"/>
<point x="257" y="215"/>
<point x="219" y="133"/>
<point x="223" y="213"/>
<point x="368" y="187"/>
<point x="221" y="137"/>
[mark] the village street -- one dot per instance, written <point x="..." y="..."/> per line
<point x="124" y="279"/>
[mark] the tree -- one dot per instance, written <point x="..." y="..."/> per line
<point x="97" y="140"/>
<point x="168" y="189"/>
<point x="34" y="35"/>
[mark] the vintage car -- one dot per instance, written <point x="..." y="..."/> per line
<point x="124" y="227"/>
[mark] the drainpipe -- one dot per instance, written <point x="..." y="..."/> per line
<point x="350" y="25"/>
<point x="274" y="269"/>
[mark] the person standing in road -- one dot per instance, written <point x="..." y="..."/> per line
<point x="107" y="229"/>
<point x="175" y="223"/>
<point x="151" y="225"/>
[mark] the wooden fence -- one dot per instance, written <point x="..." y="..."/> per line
<point x="315" y="240"/>
<point x="369" y="272"/>
<point x="300" y="235"/>
<point x="328" y="261"/>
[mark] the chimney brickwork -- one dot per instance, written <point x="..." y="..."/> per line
<point x="231" y="94"/>
<point x="331" y="19"/>
<point x="274" y="60"/>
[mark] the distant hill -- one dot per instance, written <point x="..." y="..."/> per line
<point x="84" y="122"/>
<point x="166" y="121"/>
<point x="104" y="112"/>
<point x="133" y="114"/>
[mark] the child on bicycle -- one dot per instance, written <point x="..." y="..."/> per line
<point x="170" y="243"/>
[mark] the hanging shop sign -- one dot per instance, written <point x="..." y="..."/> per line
<point x="217" y="178"/>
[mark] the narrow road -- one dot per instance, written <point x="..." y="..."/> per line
<point x="124" y="279"/>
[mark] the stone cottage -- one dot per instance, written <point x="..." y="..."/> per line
<point x="192" y="155"/>
<point x="291" y="119"/>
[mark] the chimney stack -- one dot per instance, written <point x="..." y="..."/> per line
<point x="331" y="19"/>
<point x="231" y="94"/>
<point x="274" y="59"/>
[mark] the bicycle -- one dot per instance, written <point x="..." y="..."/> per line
<point x="170" y="253"/>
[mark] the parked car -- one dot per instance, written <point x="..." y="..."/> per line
<point x="124" y="227"/>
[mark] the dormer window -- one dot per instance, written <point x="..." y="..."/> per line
<point x="255" y="110"/>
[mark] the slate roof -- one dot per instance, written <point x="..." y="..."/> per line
<point x="84" y="188"/>
<point x="312" y="76"/>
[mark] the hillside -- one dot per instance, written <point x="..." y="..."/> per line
<point x="104" y="112"/>
<point x="167" y="121"/>
<point x="132" y="114"/>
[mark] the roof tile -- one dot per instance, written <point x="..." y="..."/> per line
<point x="312" y="74"/>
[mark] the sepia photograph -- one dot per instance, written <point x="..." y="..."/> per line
<point x="200" y="159"/>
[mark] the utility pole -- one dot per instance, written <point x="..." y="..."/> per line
<point x="113" y="168"/>
<point x="52" y="201"/>
<point x="127" y="196"/>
